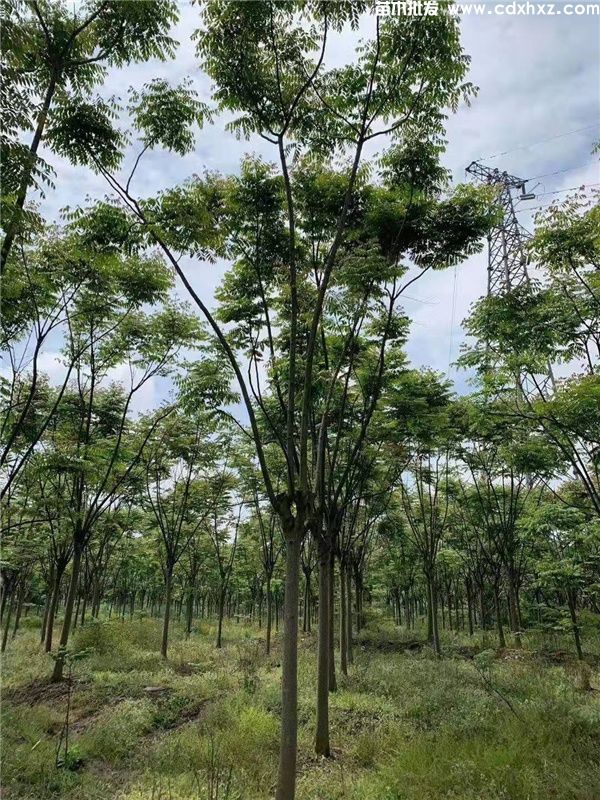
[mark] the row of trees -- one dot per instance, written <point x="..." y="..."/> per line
<point x="295" y="438"/>
<point x="479" y="546"/>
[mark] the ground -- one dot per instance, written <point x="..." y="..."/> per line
<point x="518" y="725"/>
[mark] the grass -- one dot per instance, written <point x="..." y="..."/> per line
<point x="405" y="726"/>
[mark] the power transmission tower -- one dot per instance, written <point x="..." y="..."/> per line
<point x="507" y="257"/>
<point x="507" y="254"/>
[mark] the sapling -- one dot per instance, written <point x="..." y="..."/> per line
<point x="69" y="758"/>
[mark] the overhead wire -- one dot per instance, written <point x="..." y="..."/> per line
<point x="560" y="171"/>
<point x="533" y="208"/>
<point x="557" y="191"/>
<point x="569" y="189"/>
<point x="540" y="141"/>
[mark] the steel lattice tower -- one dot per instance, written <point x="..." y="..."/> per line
<point x="507" y="254"/>
<point x="507" y="258"/>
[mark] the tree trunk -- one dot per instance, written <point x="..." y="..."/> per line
<point x="482" y="613"/>
<point x="222" y="598"/>
<point x="189" y="613"/>
<point x="429" y="611"/>
<point x="52" y="612"/>
<point x="49" y="592"/>
<point x="349" y="615"/>
<point x="168" y="591"/>
<point x="306" y="609"/>
<point x="501" y="639"/>
<point x="457" y="610"/>
<point x="573" y="612"/>
<point x="13" y="224"/>
<point x="84" y="607"/>
<point x="469" y="606"/>
<point x="309" y="602"/>
<point x="359" y="598"/>
<point x="77" y="605"/>
<point x="343" y="622"/>
<point x="322" y="731"/>
<point x="514" y="614"/>
<point x="269" y="615"/>
<point x="5" y="594"/>
<point x="57" y="674"/>
<point x="96" y="599"/>
<point x="11" y="603"/>
<point x="286" y="778"/>
<point x="331" y="609"/>
<point x="20" y="600"/>
<point x="434" y="618"/>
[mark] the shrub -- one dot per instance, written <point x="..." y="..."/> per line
<point x="101" y="637"/>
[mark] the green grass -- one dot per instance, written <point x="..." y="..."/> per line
<point x="404" y="725"/>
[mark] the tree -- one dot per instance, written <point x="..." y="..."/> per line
<point x="568" y="552"/>
<point x="175" y="460"/>
<point x="97" y="444"/>
<point x="551" y="323"/>
<point x="268" y="63"/>
<point x="53" y="58"/>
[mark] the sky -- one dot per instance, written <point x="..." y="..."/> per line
<point x="537" y="112"/>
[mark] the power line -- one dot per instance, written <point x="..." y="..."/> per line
<point x="541" y="141"/>
<point x="533" y="208"/>
<point x="560" y="171"/>
<point x="557" y="191"/>
<point x="569" y="189"/>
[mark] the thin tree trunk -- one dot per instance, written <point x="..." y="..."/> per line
<point x="96" y="600"/>
<point x="343" y="622"/>
<point x="482" y="614"/>
<point x="457" y="609"/>
<point x="57" y="674"/>
<point x="434" y="619"/>
<point x="189" y="613"/>
<point x="306" y="609"/>
<point x="429" y="611"/>
<point x="359" y="599"/>
<point x="469" y="606"/>
<point x="49" y="592"/>
<point x="11" y="604"/>
<point x="331" y="609"/>
<point x="222" y="598"/>
<point x="322" y="730"/>
<point x="78" y="604"/>
<point x="20" y="600"/>
<point x="5" y="594"/>
<point x="309" y="602"/>
<point x="513" y="614"/>
<point x="269" y="615"/>
<point x="349" y="615"/>
<point x="168" y="591"/>
<point x="573" y="612"/>
<point x="501" y="639"/>
<point x="286" y="778"/>
<point x="84" y="607"/>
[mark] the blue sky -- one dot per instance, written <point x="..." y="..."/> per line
<point x="538" y="78"/>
